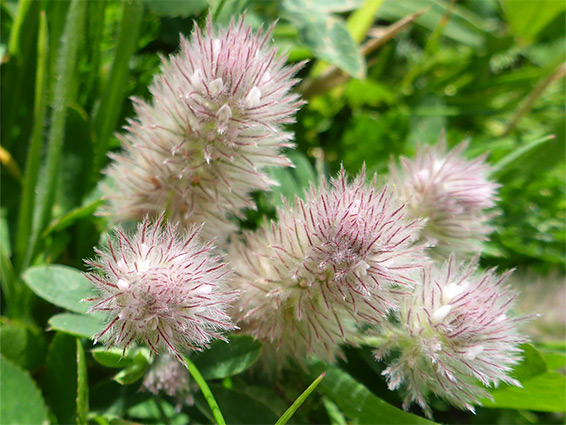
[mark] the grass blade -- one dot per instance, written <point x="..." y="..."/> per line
<point x="72" y="36"/>
<point x="195" y="373"/>
<point x="107" y="113"/>
<point x="299" y="401"/>
<point x="515" y="154"/>
<point x="33" y="159"/>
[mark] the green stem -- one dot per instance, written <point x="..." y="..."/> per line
<point x="72" y="36"/>
<point x="33" y="159"/>
<point x="193" y="370"/>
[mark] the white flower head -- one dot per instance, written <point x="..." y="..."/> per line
<point x="453" y="336"/>
<point x="334" y="261"/>
<point x="161" y="287"/>
<point x="215" y="122"/>
<point x="452" y="193"/>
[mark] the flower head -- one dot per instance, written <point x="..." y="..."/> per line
<point x="171" y="377"/>
<point x="452" y="334"/>
<point x="216" y="121"/>
<point x="452" y="193"/>
<point x="335" y="260"/>
<point x="161" y="287"/>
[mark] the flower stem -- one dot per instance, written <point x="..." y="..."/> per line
<point x="193" y="370"/>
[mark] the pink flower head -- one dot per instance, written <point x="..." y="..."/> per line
<point x="161" y="287"/>
<point x="452" y="193"/>
<point x="168" y="375"/>
<point x="201" y="146"/>
<point x="453" y="334"/>
<point x="335" y="260"/>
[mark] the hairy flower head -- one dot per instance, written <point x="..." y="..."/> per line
<point x="168" y="375"/>
<point x="452" y="193"/>
<point x="452" y="335"/>
<point x="335" y="260"/>
<point x="161" y="287"/>
<point x="200" y="147"/>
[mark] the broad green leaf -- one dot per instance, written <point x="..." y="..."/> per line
<point x="60" y="285"/>
<point x="533" y="364"/>
<point x="22" y="344"/>
<point x="223" y="359"/>
<point x="237" y="408"/>
<point x="21" y="401"/>
<point x="332" y="6"/>
<point x="61" y="380"/>
<point x="113" y="357"/>
<point x="134" y="372"/>
<point x="543" y="393"/>
<point x="82" y="385"/>
<point x="176" y="8"/>
<point x="327" y="37"/>
<point x="357" y="402"/>
<point x="76" y="324"/>
<point x="528" y="18"/>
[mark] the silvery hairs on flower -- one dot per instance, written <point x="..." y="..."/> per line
<point x="452" y="193"/>
<point x="452" y="335"/>
<point x="162" y="288"/>
<point x="336" y="259"/>
<point x="215" y="122"/>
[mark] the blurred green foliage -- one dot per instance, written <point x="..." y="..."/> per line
<point x="491" y="72"/>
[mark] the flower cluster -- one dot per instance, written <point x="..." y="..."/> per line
<point x="452" y="334"/>
<point x="201" y="146"/>
<point x="452" y="193"/>
<point x="337" y="259"/>
<point x="169" y="376"/>
<point x="346" y="263"/>
<point x="161" y="287"/>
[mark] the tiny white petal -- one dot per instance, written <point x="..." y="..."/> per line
<point x="216" y="87"/>
<point x="440" y="314"/>
<point x="224" y="113"/>
<point x="253" y="98"/>
<point x="473" y="352"/>
<point x="143" y="265"/>
<point x="123" y="284"/>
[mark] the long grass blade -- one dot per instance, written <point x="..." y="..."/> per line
<point x="33" y="159"/>
<point x="195" y="373"/>
<point x="299" y="401"/>
<point x="65" y="69"/>
<point x="107" y="113"/>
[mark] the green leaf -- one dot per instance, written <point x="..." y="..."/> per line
<point x="174" y="8"/>
<point x="463" y="26"/>
<point x="223" y="359"/>
<point x="21" y="401"/>
<point x="528" y="18"/>
<point x="326" y="36"/>
<point x="113" y="357"/>
<point x="357" y="402"/>
<point x="76" y="324"/>
<point x="533" y="364"/>
<point x="134" y="372"/>
<point x="542" y="393"/>
<point x="62" y="286"/>
<point x="299" y="401"/>
<point x="61" y="380"/>
<point x="82" y="385"/>
<point x="541" y="390"/>
<point x="22" y="344"/>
